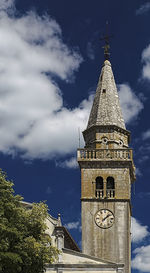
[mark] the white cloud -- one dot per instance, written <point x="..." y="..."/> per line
<point x="138" y="231"/>
<point x="130" y="103"/>
<point x="143" y="9"/>
<point x="70" y="163"/>
<point x="73" y="225"/>
<point x="141" y="261"/>
<point x="90" y="51"/>
<point x="144" y="194"/>
<point x="146" y="63"/>
<point x="6" y="4"/>
<point x="57" y="134"/>
<point x="144" y="150"/>
<point x="33" y="119"/>
<point x="146" y="135"/>
<point x="143" y="158"/>
<point x="48" y="190"/>
<point x="138" y="172"/>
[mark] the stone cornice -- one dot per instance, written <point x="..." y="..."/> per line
<point x="106" y="128"/>
<point x="86" y="266"/>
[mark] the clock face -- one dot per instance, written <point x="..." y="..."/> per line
<point x="104" y="218"/>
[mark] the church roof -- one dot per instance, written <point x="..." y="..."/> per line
<point x="69" y="242"/>
<point x="106" y="108"/>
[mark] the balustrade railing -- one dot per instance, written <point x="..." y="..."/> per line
<point x="99" y="193"/>
<point x="110" y="154"/>
<point x="110" y="193"/>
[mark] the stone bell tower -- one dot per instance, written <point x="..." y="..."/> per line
<point x="107" y="171"/>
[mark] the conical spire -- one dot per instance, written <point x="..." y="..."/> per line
<point x="106" y="108"/>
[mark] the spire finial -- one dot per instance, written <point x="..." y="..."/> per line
<point x="59" y="220"/>
<point x="106" y="47"/>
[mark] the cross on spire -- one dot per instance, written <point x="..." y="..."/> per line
<point x="106" y="47"/>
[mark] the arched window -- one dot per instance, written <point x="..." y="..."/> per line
<point x="110" y="182"/>
<point x="110" y="187"/>
<point x="99" y="182"/>
<point x="99" y="187"/>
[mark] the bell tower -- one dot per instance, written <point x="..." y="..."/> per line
<point x="107" y="171"/>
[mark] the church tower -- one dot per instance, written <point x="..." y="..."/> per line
<point x="107" y="171"/>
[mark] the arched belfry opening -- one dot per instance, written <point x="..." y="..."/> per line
<point x="110" y="187"/>
<point x="99" y="189"/>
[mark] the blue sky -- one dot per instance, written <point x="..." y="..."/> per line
<point x="50" y="60"/>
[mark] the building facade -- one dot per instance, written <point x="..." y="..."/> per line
<point x="107" y="171"/>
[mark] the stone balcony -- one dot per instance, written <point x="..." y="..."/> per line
<point x="104" y="154"/>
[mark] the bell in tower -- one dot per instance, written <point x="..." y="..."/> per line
<point x="107" y="171"/>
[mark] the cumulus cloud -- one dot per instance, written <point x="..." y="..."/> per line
<point x="70" y="163"/>
<point x="130" y="103"/>
<point x="58" y="134"/>
<point x="33" y="119"/>
<point x="143" y="158"/>
<point x="144" y="150"/>
<point x="144" y="194"/>
<point x="90" y="51"/>
<point x="141" y="261"/>
<point x="73" y="225"/>
<point x="141" y="255"/>
<point x="146" y="135"/>
<point x="143" y="9"/>
<point x="138" y="231"/>
<point x="6" y="4"/>
<point x="138" y="172"/>
<point x="146" y="63"/>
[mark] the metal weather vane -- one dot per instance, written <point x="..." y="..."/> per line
<point x="106" y="47"/>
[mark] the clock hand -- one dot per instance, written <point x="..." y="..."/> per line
<point x="106" y="217"/>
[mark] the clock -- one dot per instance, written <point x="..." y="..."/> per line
<point x="104" y="218"/>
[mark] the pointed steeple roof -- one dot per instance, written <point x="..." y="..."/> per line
<point x="106" y="108"/>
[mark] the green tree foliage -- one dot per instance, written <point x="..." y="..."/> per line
<point x="24" y="245"/>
